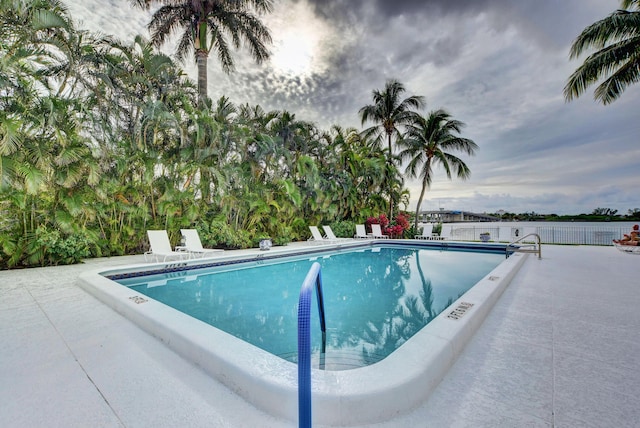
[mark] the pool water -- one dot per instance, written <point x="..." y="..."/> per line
<point x="375" y="299"/>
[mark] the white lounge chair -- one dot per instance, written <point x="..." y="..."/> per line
<point x="427" y="232"/>
<point x="316" y="236"/>
<point x="361" y="232"/>
<point x="445" y="233"/>
<point x="332" y="236"/>
<point x="161" y="247"/>
<point x="376" y="232"/>
<point x="193" y="245"/>
<point x="629" y="249"/>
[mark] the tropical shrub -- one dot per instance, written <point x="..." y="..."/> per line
<point x="219" y="234"/>
<point x="52" y="248"/>
<point x="394" y="231"/>
<point x="402" y="225"/>
<point x="344" y="229"/>
<point x="281" y="240"/>
<point x="437" y="228"/>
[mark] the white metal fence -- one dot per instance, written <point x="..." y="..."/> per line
<point x="582" y="235"/>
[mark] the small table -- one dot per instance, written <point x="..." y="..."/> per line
<point x="183" y="249"/>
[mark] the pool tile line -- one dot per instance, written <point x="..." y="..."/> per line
<point x="184" y="266"/>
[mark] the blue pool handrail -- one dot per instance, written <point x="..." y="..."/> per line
<point x="314" y="277"/>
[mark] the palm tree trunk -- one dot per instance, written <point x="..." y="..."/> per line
<point x="422" y="192"/>
<point x="389" y="179"/>
<point x="201" y="56"/>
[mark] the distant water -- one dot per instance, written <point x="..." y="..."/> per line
<point x="551" y="232"/>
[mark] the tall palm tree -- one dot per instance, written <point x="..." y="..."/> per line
<point x="428" y="142"/>
<point x="211" y="25"/>
<point x="618" y="59"/>
<point x="388" y="112"/>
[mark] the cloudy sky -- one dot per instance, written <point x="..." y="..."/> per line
<point x="499" y="66"/>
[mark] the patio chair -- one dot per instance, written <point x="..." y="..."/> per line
<point x="161" y="247"/>
<point x="445" y="233"/>
<point x="316" y="236"/>
<point x="427" y="232"/>
<point x="629" y="249"/>
<point x="193" y="245"/>
<point x="376" y="232"/>
<point x="361" y="232"/>
<point x="332" y="236"/>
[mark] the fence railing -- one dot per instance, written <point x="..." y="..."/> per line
<point x="580" y="235"/>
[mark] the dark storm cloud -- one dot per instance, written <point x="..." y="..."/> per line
<point x="543" y="21"/>
<point x="387" y="9"/>
<point x="435" y="7"/>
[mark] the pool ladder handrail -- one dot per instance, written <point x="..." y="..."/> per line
<point x="527" y="247"/>
<point x="313" y="277"/>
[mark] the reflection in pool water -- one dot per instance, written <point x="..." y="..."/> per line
<point x="375" y="299"/>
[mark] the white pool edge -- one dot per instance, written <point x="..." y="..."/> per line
<point x="366" y="395"/>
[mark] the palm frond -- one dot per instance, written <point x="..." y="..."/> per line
<point x="618" y="26"/>
<point x="10" y="136"/>
<point x="627" y="4"/>
<point x="221" y="46"/>
<point x="617" y="59"/>
<point x="33" y="178"/>
<point x="605" y="63"/>
<point x="167" y="20"/>
<point x="612" y="88"/>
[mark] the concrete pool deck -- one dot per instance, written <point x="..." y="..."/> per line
<point x="560" y="348"/>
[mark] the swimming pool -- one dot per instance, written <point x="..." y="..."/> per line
<point x="375" y="299"/>
<point x="368" y="394"/>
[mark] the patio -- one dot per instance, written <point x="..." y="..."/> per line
<point x="560" y="349"/>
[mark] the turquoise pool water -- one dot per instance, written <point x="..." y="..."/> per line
<point x="375" y="299"/>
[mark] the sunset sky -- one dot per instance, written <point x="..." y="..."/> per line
<point x="499" y="66"/>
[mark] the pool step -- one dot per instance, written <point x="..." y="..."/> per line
<point x="337" y="360"/>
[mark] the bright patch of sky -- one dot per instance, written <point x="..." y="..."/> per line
<point x="298" y="37"/>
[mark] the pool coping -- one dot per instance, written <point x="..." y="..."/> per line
<point x="370" y="394"/>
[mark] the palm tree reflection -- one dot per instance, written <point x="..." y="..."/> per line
<point x="409" y="316"/>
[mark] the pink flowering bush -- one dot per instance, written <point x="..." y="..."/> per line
<point x="403" y="220"/>
<point x="395" y="229"/>
<point x="382" y="220"/>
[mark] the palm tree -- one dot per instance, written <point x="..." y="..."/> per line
<point x="31" y="33"/>
<point x="429" y="141"/>
<point x="389" y="111"/>
<point x="211" y="25"/>
<point x="618" y="59"/>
